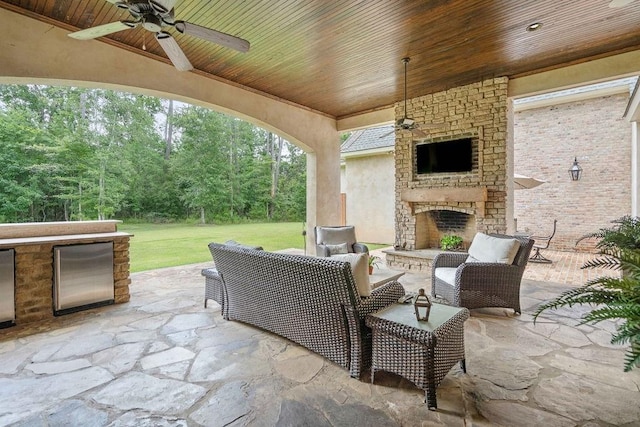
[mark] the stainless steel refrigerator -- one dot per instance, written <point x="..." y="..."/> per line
<point x="83" y="276"/>
<point x="7" y="289"/>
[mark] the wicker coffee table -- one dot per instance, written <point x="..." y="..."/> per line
<point x="422" y="352"/>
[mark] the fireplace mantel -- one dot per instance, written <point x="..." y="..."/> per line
<point x="478" y="195"/>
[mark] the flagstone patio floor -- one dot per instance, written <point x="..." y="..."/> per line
<point x="164" y="360"/>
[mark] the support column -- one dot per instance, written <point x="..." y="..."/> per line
<point x="510" y="199"/>
<point x="323" y="188"/>
<point x="635" y="165"/>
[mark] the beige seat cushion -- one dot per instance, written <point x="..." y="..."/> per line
<point x="360" y="268"/>
<point x="485" y="248"/>
<point x="446" y="274"/>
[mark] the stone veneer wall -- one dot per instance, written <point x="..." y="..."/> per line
<point x="34" y="277"/>
<point x="478" y="109"/>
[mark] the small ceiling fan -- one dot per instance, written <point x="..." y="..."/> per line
<point x="407" y="123"/>
<point x="619" y="3"/>
<point x="155" y="16"/>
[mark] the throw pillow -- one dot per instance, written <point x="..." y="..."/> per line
<point x="360" y="268"/>
<point x="485" y="248"/>
<point x="340" y="248"/>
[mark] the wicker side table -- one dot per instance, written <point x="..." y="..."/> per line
<point x="422" y="352"/>
<point x="213" y="286"/>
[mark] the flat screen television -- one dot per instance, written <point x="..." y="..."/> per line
<point x="445" y="156"/>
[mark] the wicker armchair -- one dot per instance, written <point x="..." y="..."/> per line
<point x="480" y="284"/>
<point x="311" y="301"/>
<point x="328" y="239"/>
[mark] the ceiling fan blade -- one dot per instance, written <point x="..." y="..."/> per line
<point x="158" y="7"/>
<point x="387" y="134"/>
<point x="619" y="3"/>
<point x="173" y="51"/>
<point x="166" y="4"/>
<point x="103" y="30"/>
<point x="213" y="36"/>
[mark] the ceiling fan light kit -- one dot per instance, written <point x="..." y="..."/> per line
<point x="155" y="16"/>
<point x="405" y="122"/>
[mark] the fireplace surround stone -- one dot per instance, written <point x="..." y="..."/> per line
<point x="478" y="111"/>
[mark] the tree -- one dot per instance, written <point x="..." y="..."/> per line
<point x="200" y="163"/>
<point x="21" y="171"/>
<point x="73" y="153"/>
<point x="275" y="144"/>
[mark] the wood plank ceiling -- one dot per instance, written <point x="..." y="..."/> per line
<point x="343" y="57"/>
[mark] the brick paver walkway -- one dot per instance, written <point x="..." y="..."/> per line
<point x="566" y="268"/>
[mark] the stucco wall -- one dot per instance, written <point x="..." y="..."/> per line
<point x="371" y="197"/>
<point x="546" y="141"/>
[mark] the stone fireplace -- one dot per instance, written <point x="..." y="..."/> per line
<point x="461" y="201"/>
<point x="432" y="225"/>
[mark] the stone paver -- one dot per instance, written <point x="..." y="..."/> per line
<point x="164" y="360"/>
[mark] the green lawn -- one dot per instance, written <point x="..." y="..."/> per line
<point x="167" y="245"/>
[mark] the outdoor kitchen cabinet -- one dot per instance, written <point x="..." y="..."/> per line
<point x="83" y="276"/>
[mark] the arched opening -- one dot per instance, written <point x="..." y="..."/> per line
<point x="46" y="55"/>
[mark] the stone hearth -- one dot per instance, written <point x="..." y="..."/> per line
<point x="419" y="260"/>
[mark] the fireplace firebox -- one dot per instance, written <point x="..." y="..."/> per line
<point x="432" y="225"/>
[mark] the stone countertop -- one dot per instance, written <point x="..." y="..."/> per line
<point x="39" y="229"/>
<point x="66" y="239"/>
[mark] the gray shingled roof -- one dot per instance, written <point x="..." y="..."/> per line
<point x="370" y="138"/>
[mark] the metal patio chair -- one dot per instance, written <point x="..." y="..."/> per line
<point x="542" y="242"/>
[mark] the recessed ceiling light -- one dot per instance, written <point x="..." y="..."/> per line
<point x="534" y="26"/>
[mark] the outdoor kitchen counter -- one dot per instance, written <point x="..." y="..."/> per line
<point x="33" y="245"/>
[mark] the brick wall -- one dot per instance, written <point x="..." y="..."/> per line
<point x="546" y="140"/>
<point x="478" y="110"/>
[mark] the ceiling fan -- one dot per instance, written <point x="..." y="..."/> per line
<point x="407" y="123"/>
<point x="619" y="3"/>
<point x="155" y="16"/>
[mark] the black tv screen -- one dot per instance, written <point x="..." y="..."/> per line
<point x="445" y="156"/>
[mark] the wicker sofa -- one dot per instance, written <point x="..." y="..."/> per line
<point x="311" y="301"/>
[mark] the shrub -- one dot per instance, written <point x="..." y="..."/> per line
<point x="612" y="298"/>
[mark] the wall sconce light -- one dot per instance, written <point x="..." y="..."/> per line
<point x="576" y="171"/>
